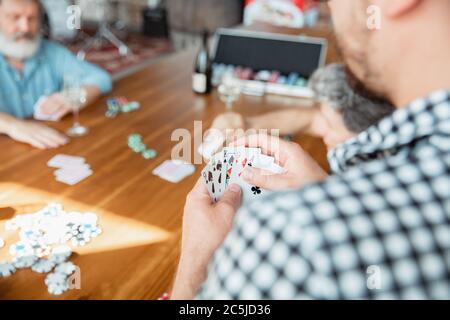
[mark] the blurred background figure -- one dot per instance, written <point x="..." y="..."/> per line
<point x="339" y="113"/>
<point x="32" y="70"/>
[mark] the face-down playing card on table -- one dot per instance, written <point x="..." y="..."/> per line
<point x="227" y="166"/>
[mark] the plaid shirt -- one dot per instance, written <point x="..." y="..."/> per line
<point x="378" y="228"/>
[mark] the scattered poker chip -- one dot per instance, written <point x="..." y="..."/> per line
<point x="24" y="262"/>
<point x="135" y="143"/>
<point x="55" y="278"/>
<point x="57" y="289"/>
<point x="2" y="243"/>
<point x="21" y="249"/>
<point x="6" y="269"/>
<point x="57" y="283"/>
<point x="43" y="238"/>
<point x="43" y="266"/>
<point x="149" y="154"/>
<point x="66" y="268"/>
<point x="120" y="105"/>
<point x="129" y="107"/>
<point x="60" y="254"/>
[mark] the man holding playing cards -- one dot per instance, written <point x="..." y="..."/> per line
<point x="32" y="70"/>
<point x="378" y="226"/>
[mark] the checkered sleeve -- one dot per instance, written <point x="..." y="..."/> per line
<point x="380" y="230"/>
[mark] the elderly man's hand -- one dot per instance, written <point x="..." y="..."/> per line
<point x="299" y="167"/>
<point x="205" y="226"/>
<point x="35" y="134"/>
<point x="56" y="106"/>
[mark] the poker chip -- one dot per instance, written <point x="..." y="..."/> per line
<point x="24" y="262"/>
<point x="120" y="104"/>
<point x="66" y="268"/>
<point x="149" y="154"/>
<point x="43" y="266"/>
<point x="135" y="143"/>
<point x="129" y="107"/>
<point x="57" y="283"/>
<point x="21" y="249"/>
<point x="60" y="254"/>
<point x="43" y="239"/>
<point x="57" y="289"/>
<point x="55" y="278"/>
<point x="6" y="269"/>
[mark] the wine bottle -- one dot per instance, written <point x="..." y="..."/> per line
<point x="201" y="79"/>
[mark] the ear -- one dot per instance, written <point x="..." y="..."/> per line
<point x="397" y="8"/>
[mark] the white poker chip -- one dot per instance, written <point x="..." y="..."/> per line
<point x="21" y="249"/>
<point x="43" y="266"/>
<point x="60" y="254"/>
<point x="66" y="268"/>
<point x="6" y="269"/>
<point x="56" y="279"/>
<point x="25" y="261"/>
<point x="57" y="289"/>
<point x="2" y="243"/>
<point x="43" y="239"/>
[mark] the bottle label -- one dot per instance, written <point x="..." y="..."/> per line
<point x="199" y="82"/>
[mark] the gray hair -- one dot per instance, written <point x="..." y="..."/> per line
<point x="359" y="109"/>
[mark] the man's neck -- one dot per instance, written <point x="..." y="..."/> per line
<point x="16" y="63"/>
<point x="421" y="80"/>
<point x="422" y="64"/>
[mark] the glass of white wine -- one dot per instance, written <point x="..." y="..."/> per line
<point x="75" y="96"/>
<point x="229" y="91"/>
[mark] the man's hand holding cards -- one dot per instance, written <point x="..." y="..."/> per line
<point x="226" y="168"/>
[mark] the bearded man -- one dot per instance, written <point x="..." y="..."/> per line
<point x="32" y="70"/>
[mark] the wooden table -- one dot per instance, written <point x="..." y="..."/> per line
<point x="140" y="214"/>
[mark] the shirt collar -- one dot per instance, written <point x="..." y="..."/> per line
<point x="421" y="118"/>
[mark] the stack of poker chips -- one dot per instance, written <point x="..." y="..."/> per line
<point x="42" y="248"/>
<point x="221" y="71"/>
<point x="138" y="146"/>
<point x="120" y="105"/>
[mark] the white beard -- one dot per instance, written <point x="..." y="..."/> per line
<point x="19" y="50"/>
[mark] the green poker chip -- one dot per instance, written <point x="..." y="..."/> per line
<point x="135" y="143"/>
<point x="149" y="154"/>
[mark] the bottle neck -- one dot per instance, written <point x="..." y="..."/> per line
<point x="205" y="39"/>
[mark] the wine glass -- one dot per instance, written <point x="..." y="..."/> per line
<point x="229" y="91"/>
<point x="75" y="96"/>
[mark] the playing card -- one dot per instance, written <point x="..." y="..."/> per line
<point x="267" y="163"/>
<point x="233" y="157"/>
<point x="62" y="160"/>
<point x="241" y="158"/>
<point x="226" y="168"/>
<point x="207" y="174"/>
<point x="72" y="178"/>
<point x="218" y="172"/>
<point x="174" y="171"/>
<point x="72" y="170"/>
